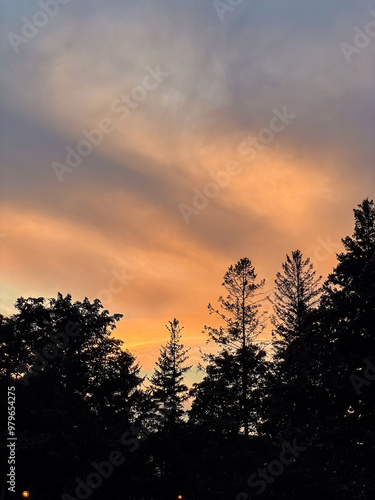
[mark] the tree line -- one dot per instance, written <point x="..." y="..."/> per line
<point x="287" y="419"/>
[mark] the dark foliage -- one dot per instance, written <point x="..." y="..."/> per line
<point x="295" y="424"/>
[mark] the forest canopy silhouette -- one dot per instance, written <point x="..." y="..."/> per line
<point x="289" y="418"/>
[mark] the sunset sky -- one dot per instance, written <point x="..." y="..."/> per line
<point x="182" y="90"/>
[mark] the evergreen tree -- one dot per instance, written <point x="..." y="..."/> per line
<point x="238" y="368"/>
<point x="350" y="288"/>
<point x="348" y="304"/>
<point x="167" y="386"/>
<point x="169" y="393"/>
<point x="348" y="319"/>
<point x="296" y="294"/>
<point x="290" y="387"/>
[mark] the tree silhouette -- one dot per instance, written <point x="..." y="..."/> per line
<point x="77" y="390"/>
<point x="168" y="390"/>
<point x="290" y="391"/>
<point x="169" y="393"/>
<point x="296" y="294"/>
<point x="242" y="324"/>
<point x="215" y="406"/>
<point x="348" y="319"/>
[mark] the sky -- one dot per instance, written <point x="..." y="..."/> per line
<point x="147" y="145"/>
